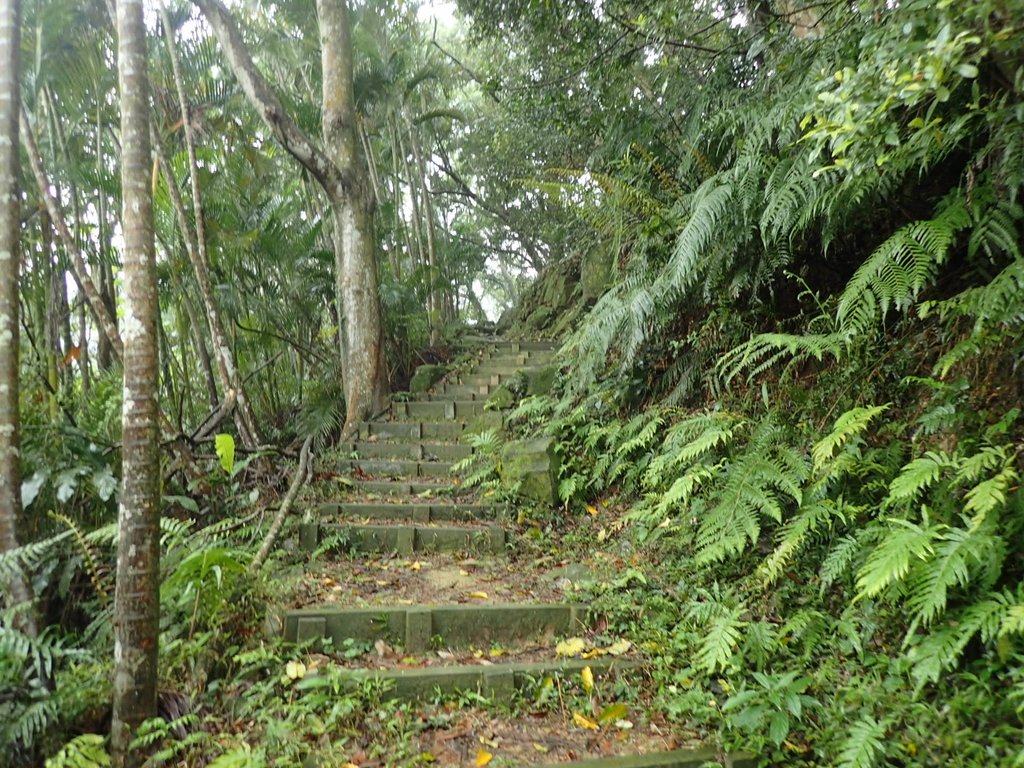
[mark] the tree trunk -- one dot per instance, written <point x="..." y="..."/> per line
<point x="341" y="172"/>
<point x="18" y="589"/>
<point x="106" y="321"/>
<point x="136" y="598"/>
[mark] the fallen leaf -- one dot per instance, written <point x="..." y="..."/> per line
<point x="295" y="670"/>
<point x="540" y="747"/>
<point x="591" y="510"/>
<point x="478" y="595"/>
<point x="584" y="722"/>
<point x="588" y="679"/>
<point x="619" y="647"/>
<point x="573" y="646"/>
<point x="483" y="757"/>
<point x="591" y="653"/>
<point x="613" y="712"/>
<point x="624" y="725"/>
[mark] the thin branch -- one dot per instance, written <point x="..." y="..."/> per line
<point x="275" y="528"/>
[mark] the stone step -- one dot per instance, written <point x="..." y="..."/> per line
<point x="454" y="391"/>
<point x="527" y="359"/>
<point x="440" y="396"/>
<point x="520" y="346"/>
<point x="433" y="431"/>
<point x="457" y="410"/>
<point x="481" y="379"/>
<point x="421" y="489"/>
<point x="507" y="369"/>
<point x="678" y="758"/>
<point x="412" y="509"/>
<point x="455" y="626"/>
<point x="420" y="451"/>
<point x="405" y="539"/>
<point x="397" y="467"/>
<point x="502" y="682"/>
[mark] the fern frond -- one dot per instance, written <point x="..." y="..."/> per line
<point x="899" y="269"/>
<point x="848" y="426"/>
<point x="864" y="745"/>
<point x="917" y="476"/>
<point x="890" y="561"/>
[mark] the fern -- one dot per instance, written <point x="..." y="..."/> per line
<point x="864" y="746"/>
<point x="917" y="476"/>
<point x="721" y="625"/>
<point x="87" y="750"/>
<point x="101" y="578"/>
<point x="848" y="426"/>
<point x="899" y="269"/>
<point x="890" y="561"/>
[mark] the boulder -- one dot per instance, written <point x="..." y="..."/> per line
<point x="532" y="465"/>
<point x="425" y="377"/>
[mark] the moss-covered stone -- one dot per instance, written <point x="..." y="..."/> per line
<point x="502" y="399"/>
<point x="425" y="377"/>
<point x="595" y="272"/>
<point x="541" y="381"/>
<point x="484" y="421"/>
<point x="532" y="465"/>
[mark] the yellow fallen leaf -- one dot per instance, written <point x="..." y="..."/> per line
<point x="588" y="678"/>
<point x="591" y="510"/>
<point x="591" y="653"/>
<point x="573" y="646"/>
<point x="483" y="757"/>
<point x="478" y="595"/>
<point x="349" y="765"/>
<point x="602" y="534"/>
<point x="619" y="647"/>
<point x="584" y="722"/>
<point x="540" y="747"/>
<point x="295" y="670"/>
<point x="415" y="566"/>
<point x="488" y="742"/>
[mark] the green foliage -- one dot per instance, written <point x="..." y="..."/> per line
<point x="87" y="750"/>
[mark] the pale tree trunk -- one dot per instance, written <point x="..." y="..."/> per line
<point x="18" y="590"/>
<point x="136" y="598"/>
<point x="195" y="242"/>
<point x="341" y="172"/>
<point x="104" y="318"/>
<point x="433" y="273"/>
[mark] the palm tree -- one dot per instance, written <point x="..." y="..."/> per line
<point x="136" y="598"/>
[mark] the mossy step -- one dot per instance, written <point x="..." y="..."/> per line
<point x="418" y="628"/>
<point x="451" y="410"/>
<point x="434" y="431"/>
<point x="419" y="489"/>
<point x="480" y="379"/>
<point x="501" y="682"/>
<point x="465" y="391"/>
<point x="679" y="758"/>
<point x="413" y="510"/>
<point x="398" y="467"/>
<point x="405" y="539"/>
<point x="462" y="393"/>
<point x="521" y="345"/>
<point x="408" y="449"/>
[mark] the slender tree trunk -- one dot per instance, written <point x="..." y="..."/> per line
<point x="195" y="241"/>
<point x="81" y="273"/>
<point x="341" y="172"/>
<point x="18" y="589"/>
<point x="136" y="598"/>
<point x="433" y="273"/>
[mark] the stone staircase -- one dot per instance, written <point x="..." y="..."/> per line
<point x="405" y="503"/>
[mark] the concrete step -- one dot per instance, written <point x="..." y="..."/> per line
<point x="420" y="451"/>
<point x="405" y="539"/>
<point x="458" y="410"/>
<point x="508" y="345"/>
<point x="412" y="509"/>
<point x="433" y="431"/>
<point x="480" y="379"/>
<point x="416" y="510"/>
<point x="454" y="391"/>
<point x="440" y="396"/>
<point x="397" y="467"/>
<point x="678" y="758"/>
<point x="502" y="682"/>
<point x="456" y="626"/>
<point x="418" y="489"/>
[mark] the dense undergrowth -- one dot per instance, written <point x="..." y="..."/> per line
<point x="804" y="385"/>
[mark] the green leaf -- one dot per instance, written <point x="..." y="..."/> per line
<point x="225" y="446"/>
<point x="613" y="712"/>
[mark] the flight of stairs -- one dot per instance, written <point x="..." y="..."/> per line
<point x="404" y="504"/>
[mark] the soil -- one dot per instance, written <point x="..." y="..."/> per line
<point x="431" y="579"/>
<point x="456" y="735"/>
